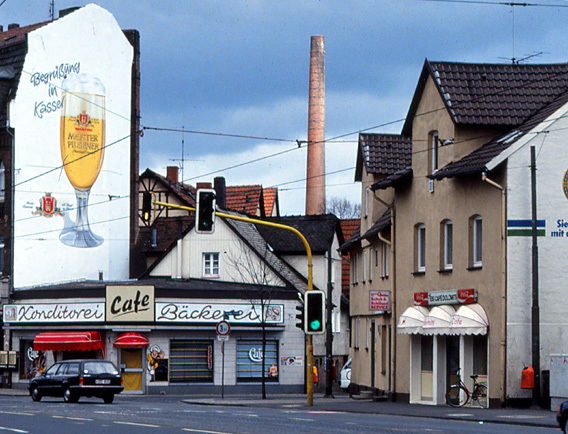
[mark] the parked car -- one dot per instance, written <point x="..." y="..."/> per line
<point x="345" y="376"/>
<point x="72" y="379"/>
<point x="562" y="416"/>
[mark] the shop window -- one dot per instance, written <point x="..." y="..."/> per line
<point x="427" y="367"/>
<point x="476" y="241"/>
<point x="447" y="245"/>
<point x="211" y="264"/>
<point x="191" y="361"/>
<point x="480" y="355"/>
<point x="420" y="249"/>
<point x="32" y="362"/>
<point x="249" y="361"/>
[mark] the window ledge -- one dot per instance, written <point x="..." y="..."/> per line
<point x="446" y="271"/>
<point x="418" y="273"/>
<point x="474" y="268"/>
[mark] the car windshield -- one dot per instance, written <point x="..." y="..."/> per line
<point x="100" y="368"/>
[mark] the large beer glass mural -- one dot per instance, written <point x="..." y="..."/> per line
<point x="82" y="149"/>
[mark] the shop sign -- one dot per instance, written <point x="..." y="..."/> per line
<point x="380" y="301"/>
<point x="129" y="303"/>
<point x="54" y="312"/>
<point x="453" y="296"/>
<point x="172" y="312"/>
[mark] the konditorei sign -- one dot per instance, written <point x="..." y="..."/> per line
<point x="452" y="296"/>
<point x="54" y="313"/>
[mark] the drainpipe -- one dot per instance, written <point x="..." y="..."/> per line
<point x="393" y="336"/>
<point x="503" y="347"/>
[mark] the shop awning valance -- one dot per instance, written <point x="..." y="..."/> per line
<point x="412" y="320"/>
<point x="438" y="320"/>
<point x="469" y="319"/>
<point x="131" y="340"/>
<point x="68" y="341"/>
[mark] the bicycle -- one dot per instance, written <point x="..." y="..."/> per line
<point x="459" y="395"/>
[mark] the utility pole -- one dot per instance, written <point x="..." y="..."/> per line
<point x="328" y="331"/>
<point x="535" y="314"/>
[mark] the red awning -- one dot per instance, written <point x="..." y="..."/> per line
<point x="68" y="341"/>
<point x="131" y="340"/>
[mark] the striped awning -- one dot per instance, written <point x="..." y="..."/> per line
<point x="131" y="340"/>
<point x="68" y="341"/>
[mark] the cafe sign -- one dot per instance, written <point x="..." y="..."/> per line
<point x="129" y="303"/>
<point x="453" y="296"/>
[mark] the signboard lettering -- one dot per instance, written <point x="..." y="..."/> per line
<point x="453" y="296"/>
<point x="130" y="303"/>
<point x="380" y="301"/>
<point x="60" y="312"/>
<point x="206" y="313"/>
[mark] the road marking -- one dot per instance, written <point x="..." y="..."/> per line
<point x="302" y="419"/>
<point x="17" y="413"/>
<point x="459" y="414"/>
<point x="204" y="431"/>
<point x="3" y="428"/>
<point x="137" y="424"/>
<point x="73" y="418"/>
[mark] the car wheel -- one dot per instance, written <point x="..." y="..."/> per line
<point x="34" y="393"/>
<point x="69" y="396"/>
<point x="108" y="398"/>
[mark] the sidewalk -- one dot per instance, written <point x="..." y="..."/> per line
<point x="343" y="403"/>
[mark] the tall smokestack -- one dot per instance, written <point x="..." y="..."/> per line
<point x="315" y="183"/>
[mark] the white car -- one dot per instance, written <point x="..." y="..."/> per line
<point x="345" y="375"/>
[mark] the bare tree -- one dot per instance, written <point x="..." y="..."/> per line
<point x="261" y="288"/>
<point x="343" y="209"/>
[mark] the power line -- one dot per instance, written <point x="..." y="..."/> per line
<point x="493" y="3"/>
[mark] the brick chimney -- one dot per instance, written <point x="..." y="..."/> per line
<point x="172" y="173"/>
<point x="315" y="182"/>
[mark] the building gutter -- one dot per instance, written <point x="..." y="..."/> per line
<point x="503" y="346"/>
<point x="393" y="335"/>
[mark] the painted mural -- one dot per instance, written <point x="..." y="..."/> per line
<point x="71" y="118"/>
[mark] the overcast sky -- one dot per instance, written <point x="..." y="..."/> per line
<point x="239" y="67"/>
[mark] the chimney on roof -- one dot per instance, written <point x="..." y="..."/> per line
<point x="13" y="26"/>
<point x="315" y="182"/>
<point x="172" y="173"/>
<point x="63" y="12"/>
<point x="220" y="191"/>
<point x="202" y="185"/>
<point x="1" y="29"/>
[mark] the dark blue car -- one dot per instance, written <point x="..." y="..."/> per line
<point x="562" y="416"/>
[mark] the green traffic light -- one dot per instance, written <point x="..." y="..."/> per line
<point x="315" y="325"/>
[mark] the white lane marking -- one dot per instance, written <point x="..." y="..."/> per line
<point x="137" y="424"/>
<point x="302" y="419"/>
<point x="73" y="418"/>
<point x="204" y="431"/>
<point x="17" y="413"/>
<point x="3" y="428"/>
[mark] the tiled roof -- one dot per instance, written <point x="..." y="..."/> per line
<point x="318" y="230"/>
<point x="393" y="180"/>
<point x="383" y="154"/>
<point x="348" y="227"/>
<point x="270" y="196"/>
<point x="381" y="224"/>
<point x="491" y="94"/>
<point x="476" y="161"/>
<point x="353" y="240"/>
<point x="185" y="193"/>
<point x="244" y="198"/>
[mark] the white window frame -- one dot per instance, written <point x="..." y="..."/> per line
<point x="421" y="248"/>
<point x="448" y="248"/>
<point x="364" y="265"/>
<point x="367" y="201"/>
<point x="434" y="148"/>
<point x="211" y="264"/>
<point x="477" y="241"/>
<point x="357" y="328"/>
<point x="385" y="260"/>
<point x="354" y="272"/>
<point x="371" y="264"/>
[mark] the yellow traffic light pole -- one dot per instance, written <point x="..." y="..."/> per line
<point x="310" y="355"/>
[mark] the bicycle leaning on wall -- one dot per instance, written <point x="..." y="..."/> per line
<point x="459" y="395"/>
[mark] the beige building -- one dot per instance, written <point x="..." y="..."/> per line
<point x="431" y="299"/>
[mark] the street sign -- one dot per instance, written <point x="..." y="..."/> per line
<point x="223" y="328"/>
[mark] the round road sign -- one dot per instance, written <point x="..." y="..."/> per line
<point x="223" y="328"/>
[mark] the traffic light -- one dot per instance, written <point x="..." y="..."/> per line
<point x="314" y="312"/>
<point x="205" y="211"/>
<point x="300" y="317"/>
<point x="146" y="206"/>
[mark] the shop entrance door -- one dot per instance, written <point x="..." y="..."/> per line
<point x="132" y="369"/>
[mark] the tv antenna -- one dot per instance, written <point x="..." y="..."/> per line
<point x="52" y="9"/>
<point x="182" y="160"/>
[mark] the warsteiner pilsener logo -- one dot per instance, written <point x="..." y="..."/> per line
<point x="565" y="184"/>
<point x="47" y="206"/>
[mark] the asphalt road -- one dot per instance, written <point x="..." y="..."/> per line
<point x="143" y="414"/>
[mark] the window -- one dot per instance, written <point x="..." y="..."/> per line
<point x="364" y="265"/>
<point x="367" y="335"/>
<point x="433" y="151"/>
<point x="249" y="360"/>
<point x="371" y="264"/>
<point x="356" y="333"/>
<point x="447" y="244"/>
<point x="211" y="264"/>
<point x="354" y="273"/>
<point x="420" y="248"/>
<point x="366" y="201"/>
<point x="384" y="360"/>
<point x="476" y="237"/>
<point x="384" y="260"/>
<point x="191" y="361"/>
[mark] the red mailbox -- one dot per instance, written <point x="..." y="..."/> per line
<point x="527" y="378"/>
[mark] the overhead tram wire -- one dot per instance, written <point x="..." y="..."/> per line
<point x="497" y="3"/>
